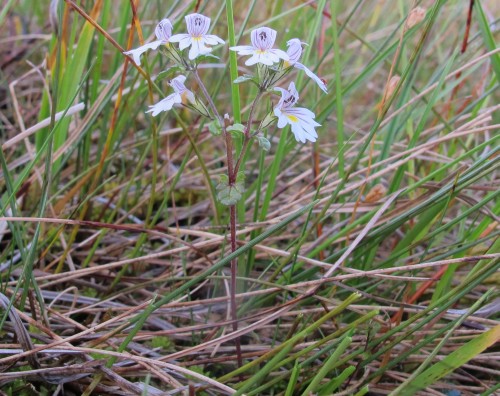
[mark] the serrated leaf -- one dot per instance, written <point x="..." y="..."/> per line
<point x="243" y="78"/>
<point x="264" y="143"/>
<point x="236" y="128"/>
<point x="223" y="182"/>
<point x="230" y="195"/>
<point x="214" y="128"/>
<point x="169" y="72"/>
<point x="240" y="178"/>
<point x="205" y="57"/>
<point x="268" y="120"/>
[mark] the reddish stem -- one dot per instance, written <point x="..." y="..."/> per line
<point x="234" y="273"/>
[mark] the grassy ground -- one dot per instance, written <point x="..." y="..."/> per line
<point x="367" y="261"/>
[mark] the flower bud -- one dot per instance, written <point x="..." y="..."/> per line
<point x="267" y="121"/>
<point x="416" y="16"/>
<point x="391" y="85"/>
<point x="54" y="20"/>
<point x="376" y="193"/>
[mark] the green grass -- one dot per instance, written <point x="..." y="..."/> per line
<point x="113" y="245"/>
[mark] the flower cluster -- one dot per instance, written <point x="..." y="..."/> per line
<point x="275" y="62"/>
<point x="196" y="38"/>
<point x="262" y="51"/>
<point x="301" y="120"/>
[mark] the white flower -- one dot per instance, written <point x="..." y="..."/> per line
<point x="262" y="50"/>
<point x="300" y="119"/>
<point x="197" y="37"/>
<point x="294" y="52"/>
<point x="181" y="94"/>
<point x="163" y="31"/>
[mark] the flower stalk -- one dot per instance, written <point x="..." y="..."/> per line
<point x="272" y="65"/>
<point x="232" y="210"/>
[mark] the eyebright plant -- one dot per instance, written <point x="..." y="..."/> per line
<point x="272" y="65"/>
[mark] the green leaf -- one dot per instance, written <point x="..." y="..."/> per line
<point x="230" y="194"/>
<point x="268" y="120"/>
<point x="243" y="78"/>
<point x="240" y="180"/>
<point x="489" y="39"/>
<point x="162" y="342"/>
<point x="200" y="107"/>
<point x="206" y="57"/>
<point x="264" y="143"/>
<point x="236" y="128"/>
<point x="453" y="361"/>
<point x="171" y="71"/>
<point x="214" y="128"/>
<point x="327" y="367"/>
<point x="223" y="181"/>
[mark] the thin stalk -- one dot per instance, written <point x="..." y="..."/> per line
<point x="248" y="136"/>
<point x="231" y="174"/>
<point x="234" y="273"/>
<point x="338" y="90"/>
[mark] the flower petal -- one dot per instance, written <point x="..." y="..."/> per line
<point x="280" y="54"/>
<point x="267" y="59"/>
<point x="294" y="50"/>
<point x="185" y="42"/>
<point x="212" y="39"/>
<point x="303" y="114"/>
<point x="163" y="30"/>
<point x="190" y="96"/>
<point x="287" y="99"/>
<point x="282" y="121"/>
<point x="243" y="49"/>
<point x="197" y="24"/>
<point x="255" y="58"/>
<point x="272" y="57"/>
<point x="177" y="84"/>
<point x="312" y="76"/>
<point x="289" y="96"/>
<point x="137" y="52"/>
<point x="165" y="104"/>
<point x="203" y="48"/>
<point x="263" y="38"/>
<point x="198" y="48"/>
<point x="178" y="37"/>
<point x="301" y="135"/>
<point x="293" y="92"/>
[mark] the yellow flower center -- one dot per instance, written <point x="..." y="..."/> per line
<point x="197" y="38"/>
<point x="292" y="118"/>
